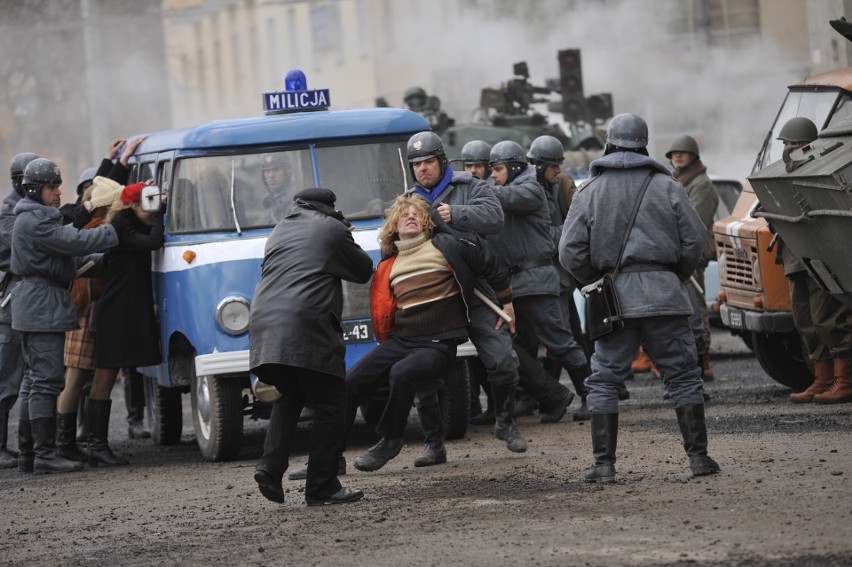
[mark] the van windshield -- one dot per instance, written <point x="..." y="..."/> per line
<point x="365" y="177"/>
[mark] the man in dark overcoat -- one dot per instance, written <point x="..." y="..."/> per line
<point x="297" y="341"/>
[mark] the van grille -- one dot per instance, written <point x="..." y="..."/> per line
<point x="738" y="264"/>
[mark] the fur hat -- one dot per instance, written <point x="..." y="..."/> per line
<point x="132" y="193"/>
<point x="105" y="192"/>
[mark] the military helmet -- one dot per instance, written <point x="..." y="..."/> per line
<point x="547" y="150"/>
<point x="85" y="177"/>
<point x="415" y="96"/>
<point x="38" y="173"/>
<point x="19" y="163"/>
<point x="423" y="146"/>
<point x="627" y="131"/>
<point x="476" y="151"/>
<point x="683" y="144"/>
<point x="798" y="129"/>
<point x="511" y="154"/>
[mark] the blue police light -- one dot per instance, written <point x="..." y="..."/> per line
<point x="296" y="97"/>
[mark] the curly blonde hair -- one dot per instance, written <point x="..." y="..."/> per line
<point x="388" y="234"/>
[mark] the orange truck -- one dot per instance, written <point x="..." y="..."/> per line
<point x="754" y="298"/>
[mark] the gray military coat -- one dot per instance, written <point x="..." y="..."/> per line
<point x="664" y="247"/>
<point x="7" y="222"/>
<point x="298" y="303"/>
<point x="45" y="249"/>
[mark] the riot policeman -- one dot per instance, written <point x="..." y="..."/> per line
<point x="45" y="254"/>
<point x="474" y="156"/>
<point x="662" y="251"/>
<point x="11" y="355"/>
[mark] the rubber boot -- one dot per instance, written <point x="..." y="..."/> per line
<point x="97" y="424"/>
<point x="841" y="390"/>
<point x="66" y="438"/>
<point x="8" y="459"/>
<point x="823" y="379"/>
<point x="134" y="400"/>
<point x="694" y="430"/>
<point x="434" y="452"/>
<point x="44" y="446"/>
<point x="578" y="378"/>
<point x="378" y="455"/>
<point x="604" y="443"/>
<point x="505" y="427"/>
<point x="25" y="446"/>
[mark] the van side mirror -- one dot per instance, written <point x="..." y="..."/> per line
<point x="150" y="198"/>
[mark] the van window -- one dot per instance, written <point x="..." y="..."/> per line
<point x="814" y="105"/>
<point x="263" y="187"/>
<point x="365" y="177"/>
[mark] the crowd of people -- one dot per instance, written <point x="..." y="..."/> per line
<point x="492" y="253"/>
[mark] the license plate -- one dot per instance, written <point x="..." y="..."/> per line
<point x="358" y="331"/>
<point x="736" y="320"/>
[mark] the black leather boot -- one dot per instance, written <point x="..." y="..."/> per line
<point x="66" y="438"/>
<point x="578" y="378"/>
<point x="97" y="424"/>
<point x="693" y="427"/>
<point x="604" y="442"/>
<point x="378" y="455"/>
<point x="8" y="459"/>
<point x="25" y="446"/>
<point x="434" y="452"/>
<point x="134" y="399"/>
<point x="44" y="446"/>
<point x="505" y="427"/>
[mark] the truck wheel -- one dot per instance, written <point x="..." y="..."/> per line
<point x="165" y="412"/>
<point x="217" y="413"/>
<point x="455" y="400"/>
<point x="782" y="357"/>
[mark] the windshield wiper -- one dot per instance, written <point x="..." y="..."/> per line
<point x="233" y="204"/>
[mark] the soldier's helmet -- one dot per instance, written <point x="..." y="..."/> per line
<point x="415" y="97"/>
<point x="476" y="151"/>
<point x="683" y="144"/>
<point x="799" y="129"/>
<point x="627" y="131"/>
<point x="423" y="146"/>
<point x="511" y="154"/>
<point x="546" y="150"/>
<point x="38" y="173"/>
<point x="19" y="163"/>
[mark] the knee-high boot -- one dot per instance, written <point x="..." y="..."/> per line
<point x="66" y="437"/>
<point x="694" y="430"/>
<point x="25" y="446"/>
<point x="44" y="446"/>
<point x="434" y="453"/>
<point x="505" y="427"/>
<point x="604" y="443"/>
<point x="97" y="425"/>
<point x="8" y="459"/>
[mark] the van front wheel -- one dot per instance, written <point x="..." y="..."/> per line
<point x="165" y="412"/>
<point x="217" y="414"/>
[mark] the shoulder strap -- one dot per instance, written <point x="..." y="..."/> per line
<point x="632" y="220"/>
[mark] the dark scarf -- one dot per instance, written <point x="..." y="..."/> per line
<point x="433" y="194"/>
<point x="690" y="172"/>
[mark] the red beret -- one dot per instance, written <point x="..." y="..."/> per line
<point x="132" y="193"/>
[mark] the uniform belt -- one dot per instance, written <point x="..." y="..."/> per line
<point x="641" y="267"/>
<point x="530" y="264"/>
<point x="47" y="281"/>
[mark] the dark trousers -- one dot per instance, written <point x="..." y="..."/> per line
<point x="411" y="367"/>
<point x="324" y="393"/>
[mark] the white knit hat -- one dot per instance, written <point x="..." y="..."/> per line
<point x="105" y="192"/>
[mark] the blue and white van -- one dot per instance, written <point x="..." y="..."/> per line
<point x="218" y="217"/>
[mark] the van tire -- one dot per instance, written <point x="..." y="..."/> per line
<point x="165" y="412"/>
<point x="217" y="414"/>
<point x="455" y="400"/>
<point x="783" y="357"/>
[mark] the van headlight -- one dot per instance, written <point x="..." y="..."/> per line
<point x="232" y="314"/>
<point x="756" y="273"/>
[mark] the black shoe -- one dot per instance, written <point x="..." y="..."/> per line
<point x="582" y="413"/>
<point x="485" y="418"/>
<point x="302" y="472"/>
<point x="623" y="394"/>
<point x="343" y="496"/>
<point x="268" y="486"/>
<point x="378" y="455"/>
<point x="558" y="412"/>
<point x="431" y="455"/>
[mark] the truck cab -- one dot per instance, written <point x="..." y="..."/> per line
<point x="754" y="295"/>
